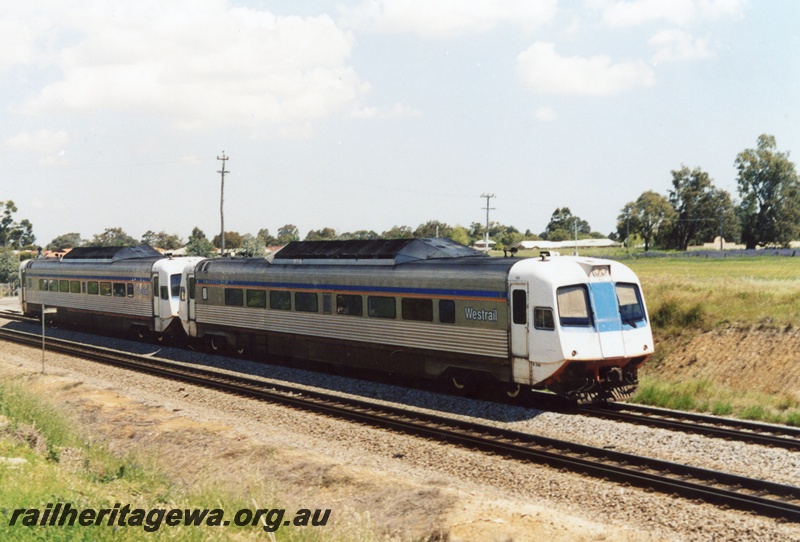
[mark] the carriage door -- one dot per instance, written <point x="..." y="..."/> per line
<point x="519" y="320"/>
<point x="192" y="283"/>
<point x="156" y="303"/>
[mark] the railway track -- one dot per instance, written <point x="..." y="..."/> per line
<point x="722" y="489"/>
<point x="779" y="436"/>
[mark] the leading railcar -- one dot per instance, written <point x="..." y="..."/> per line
<point x="430" y="308"/>
<point x="113" y="289"/>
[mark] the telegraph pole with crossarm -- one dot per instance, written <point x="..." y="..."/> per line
<point x="221" y="201"/>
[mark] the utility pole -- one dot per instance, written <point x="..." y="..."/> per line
<point x="221" y="201"/>
<point x="486" y="233"/>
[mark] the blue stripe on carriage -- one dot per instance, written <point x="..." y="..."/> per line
<point x="365" y="289"/>
<point x="96" y="277"/>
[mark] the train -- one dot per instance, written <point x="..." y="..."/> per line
<point x="428" y="309"/>
<point x="132" y="290"/>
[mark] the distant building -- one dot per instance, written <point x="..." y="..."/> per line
<point x="580" y="243"/>
<point x="481" y="245"/>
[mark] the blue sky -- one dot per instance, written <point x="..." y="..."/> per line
<point x="369" y="114"/>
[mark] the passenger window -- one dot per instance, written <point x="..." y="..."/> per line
<point x="351" y="305"/>
<point x="175" y="285"/>
<point x="326" y="303"/>
<point x="234" y="297"/>
<point x="573" y="306"/>
<point x="381" y="307"/>
<point x="519" y="306"/>
<point x="53" y="285"/>
<point x="630" y="303"/>
<point x="130" y="289"/>
<point x="105" y="288"/>
<point x="543" y="318"/>
<point x="119" y="289"/>
<point x="42" y="284"/>
<point x="306" y="302"/>
<point x="417" y="309"/>
<point x="92" y="287"/>
<point x="74" y="286"/>
<point x="257" y="299"/>
<point x="280" y="300"/>
<point x="447" y="311"/>
<point x="63" y="286"/>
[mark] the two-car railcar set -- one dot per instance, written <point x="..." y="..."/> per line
<point x="427" y="308"/>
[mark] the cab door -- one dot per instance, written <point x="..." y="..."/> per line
<point x="519" y="320"/>
<point x="156" y="303"/>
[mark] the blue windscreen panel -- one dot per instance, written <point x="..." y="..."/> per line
<point x="605" y="305"/>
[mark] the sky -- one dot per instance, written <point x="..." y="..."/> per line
<point x="366" y="114"/>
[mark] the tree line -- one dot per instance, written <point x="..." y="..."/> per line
<point x="693" y="211"/>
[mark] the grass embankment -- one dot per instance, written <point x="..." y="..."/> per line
<point x="44" y="458"/>
<point x="689" y="296"/>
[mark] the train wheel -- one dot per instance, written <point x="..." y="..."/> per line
<point x="513" y="391"/>
<point x="217" y="344"/>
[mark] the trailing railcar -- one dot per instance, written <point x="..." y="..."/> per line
<point x="111" y="289"/>
<point x="430" y="308"/>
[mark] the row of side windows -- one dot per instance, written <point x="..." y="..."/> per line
<point x="411" y="308"/>
<point x="91" y="287"/>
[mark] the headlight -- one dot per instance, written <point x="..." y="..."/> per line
<point x="601" y="270"/>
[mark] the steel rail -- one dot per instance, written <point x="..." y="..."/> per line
<point x="763" y="497"/>
<point x="780" y="436"/>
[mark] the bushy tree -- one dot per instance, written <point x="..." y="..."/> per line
<point x="359" y="235"/>
<point x="287" y="234"/>
<point x="698" y="205"/>
<point x="432" y="229"/>
<point x="113" y="237"/>
<point x="199" y="245"/>
<point x="252" y="247"/>
<point x="770" y="191"/>
<point x="398" y="232"/>
<point x="562" y="226"/>
<point x="162" y="240"/>
<point x="266" y="238"/>
<point x="647" y="216"/>
<point x="9" y="268"/>
<point x="12" y="233"/>
<point x="68" y="240"/>
<point x="323" y="234"/>
<point x="233" y="240"/>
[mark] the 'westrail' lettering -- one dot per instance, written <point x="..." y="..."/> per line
<point x="480" y="314"/>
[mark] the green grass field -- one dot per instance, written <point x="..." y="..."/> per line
<point x="706" y="292"/>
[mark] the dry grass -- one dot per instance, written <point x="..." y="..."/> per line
<point x="707" y="292"/>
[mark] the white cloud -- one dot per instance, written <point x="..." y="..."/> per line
<point x="446" y="18"/>
<point x="680" y="12"/>
<point x="544" y="71"/>
<point x="398" y="110"/>
<point x="201" y="63"/>
<point x="676" y="45"/>
<point x="545" y="114"/>
<point x="42" y="141"/>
